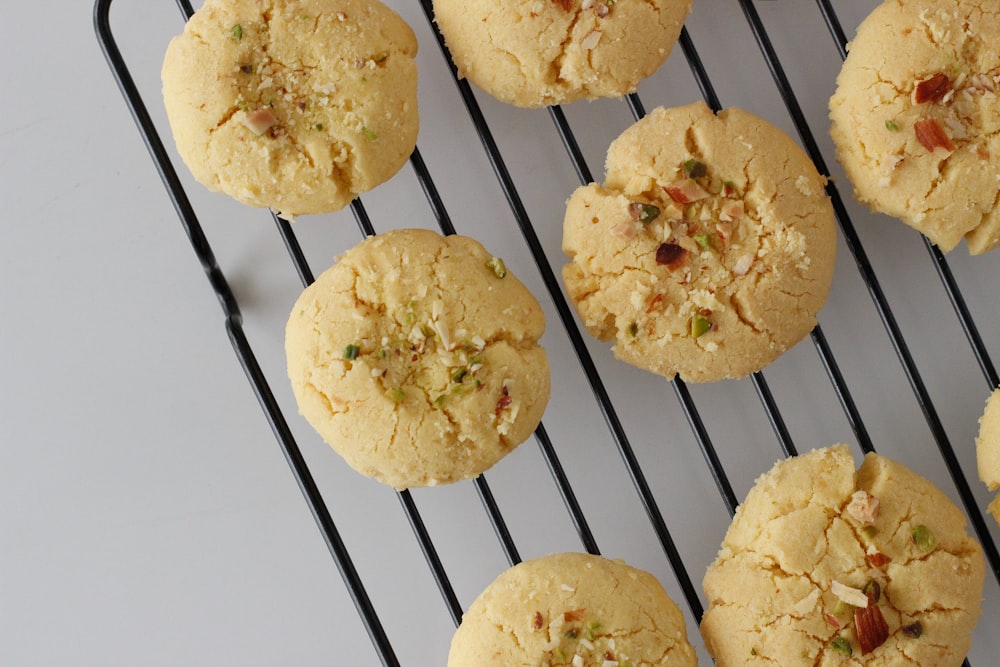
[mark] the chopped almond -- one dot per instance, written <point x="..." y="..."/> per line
<point x="260" y="121"/>
<point x="685" y="191"/>
<point x="871" y="627"/>
<point x="932" y="136"/>
<point x="932" y="89"/>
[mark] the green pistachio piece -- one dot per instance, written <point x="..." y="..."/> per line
<point x="237" y="32"/>
<point x="924" y="538"/>
<point x="695" y="168"/>
<point x="699" y="325"/>
<point x="351" y="352"/>
<point x="841" y="645"/>
<point x="396" y="395"/>
<point x="369" y="134"/>
<point x="891" y="125"/>
<point x="701" y="240"/>
<point x="499" y="268"/>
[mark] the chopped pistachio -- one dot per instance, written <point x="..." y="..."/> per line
<point x="592" y="630"/>
<point x="633" y="329"/>
<point x="699" y="325"/>
<point x="572" y="633"/>
<point x="460" y="375"/>
<point x="369" y="134"/>
<point x="695" y="168"/>
<point x="753" y="651"/>
<point x="728" y="188"/>
<point x="913" y="630"/>
<point x="644" y="213"/>
<point x="318" y="126"/>
<point x="351" y="352"/>
<point x="869" y="532"/>
<point x="499" y="268"/>
<point x="396" y="395"/>
<point x="891" y="125"/>
<point x="701" y="240"/>
<point x="841" y="645"/>
<point x="439" y="401"/>
<point x="237" y="32"/>
<point x="383" y="353"/>
<point x="924" y="538"/>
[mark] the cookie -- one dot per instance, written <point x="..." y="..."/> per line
<point x="827" y="565"/>
<point x="416" y="357"/>
<point x="293" y="105"/>
<point x="535" y="53"/>
<point x="572" y="609"/>
<point x="916" y="118"/>
<point x="709" y="249"/>
<point x="988" y="449"/>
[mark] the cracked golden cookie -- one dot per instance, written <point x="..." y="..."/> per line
<point x="535" y="53"/>
<point x="988" y="449"/>
<point x="572" y="609"/>
<point x="416" y="357"/>
<point x="825" y="565"/>
<point x="293" y="105"/>
<point x="709" y="249"/>
<point x="916" y="118"/>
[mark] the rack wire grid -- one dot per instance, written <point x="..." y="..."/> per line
<point x="627" y="464"/>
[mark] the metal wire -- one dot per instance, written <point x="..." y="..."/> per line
<point x="321" y="514"/>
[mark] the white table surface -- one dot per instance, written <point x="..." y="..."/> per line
<point x="147" y="516"/>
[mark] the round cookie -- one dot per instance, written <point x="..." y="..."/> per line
<point x="572" y="609"/>
<point x="535" y="53"/>
<point x="709" y="249"/>
<point x="825" y="565"/>
<point x="296" y="105"/>
<point x="916" y="118"/>
<point x="416" y="358"/>
<point x="988" y="449"/>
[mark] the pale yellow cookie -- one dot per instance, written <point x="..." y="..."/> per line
<point x="825" y="565"/>
<point x="416" y="357"/>
<point x="916" y="118"/>
<point x="534" y="53"/>
<point x="709" y="249"/>
<point x="572" y="609"/>
<point x="988" y="449"/>
<point x="294" y="105"/>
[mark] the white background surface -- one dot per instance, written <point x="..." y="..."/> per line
<point x="146" y="513"/>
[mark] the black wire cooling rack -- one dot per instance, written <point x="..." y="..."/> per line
<point x="588" y="356"/>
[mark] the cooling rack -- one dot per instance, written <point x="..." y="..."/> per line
<point x="626" y="464"/>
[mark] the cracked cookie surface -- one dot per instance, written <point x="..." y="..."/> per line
<point x="572" y="609"/>
<point x="416" y="357"/>
<point x="709" y="249"/>
<point x="825" y="565"/>
<point x="293" y="105"/>
<point x="916" y="118"/>
<point x="988" y="449"/>
<point x="535" y="53"/>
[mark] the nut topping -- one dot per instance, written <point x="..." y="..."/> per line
<point x="671" y="255"/>
<point x="871" y="627"/>
<point x="686" y="191"/>
<point x="863" y="508"/>
<point x="932" y="136"/>
<point x="932" y="89"/>
<point x="260" y="121"/>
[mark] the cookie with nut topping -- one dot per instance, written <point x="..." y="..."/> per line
<point x="416" y="357"/>
<point x="535" y="53"/>
<point x="294" y="105"/>
<point x="988" y="449"/>
<point x="709" y="249"/>
<point x="825" y="564"/>
<point x="572" y="609"/>
<point x="916" y="118"/>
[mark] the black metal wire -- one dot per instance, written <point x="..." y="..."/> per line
<point x="244" y="352"/>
